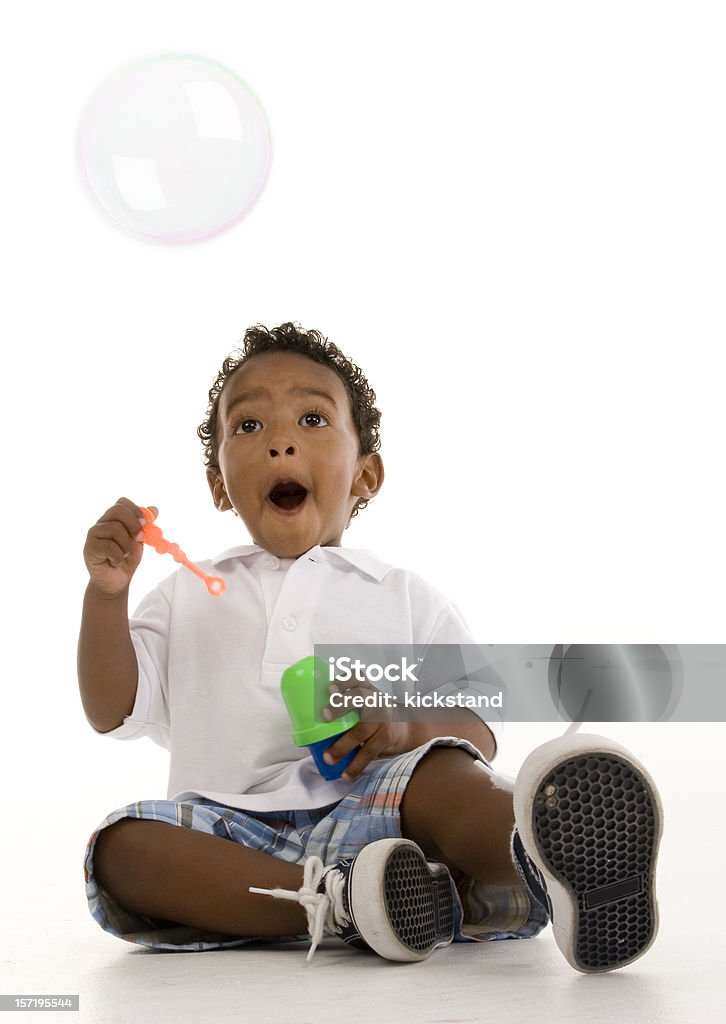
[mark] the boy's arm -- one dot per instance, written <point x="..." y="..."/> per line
<point x="452" y="724"/>
<point x="107" y="667"/>
<point x="386" y="739"/>
<point x="450" y="628"/>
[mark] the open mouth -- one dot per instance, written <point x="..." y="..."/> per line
<point x="288" y="495"/>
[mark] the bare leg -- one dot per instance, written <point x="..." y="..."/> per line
<point x="192" y="878"/>
<point x="455" y="814"/>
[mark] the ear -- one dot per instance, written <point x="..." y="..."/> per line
<point x="216" y="486"/>
<point x="369" y="478"/>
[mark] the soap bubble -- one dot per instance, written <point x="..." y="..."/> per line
<point x="174" y="148"/>
<point x="616" y="682"/>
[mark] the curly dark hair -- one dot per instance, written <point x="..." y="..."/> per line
<point x="290" y="337"/>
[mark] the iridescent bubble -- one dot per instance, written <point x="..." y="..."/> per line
<point x="174" y="148"/>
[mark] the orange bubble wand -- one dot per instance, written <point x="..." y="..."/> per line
<point x="156" y="539"/>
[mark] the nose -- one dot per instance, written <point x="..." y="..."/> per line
<point x="282" y="448"/>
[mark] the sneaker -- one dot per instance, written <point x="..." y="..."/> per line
<point x="588" y="824"/>
<point x="387" y="898"/>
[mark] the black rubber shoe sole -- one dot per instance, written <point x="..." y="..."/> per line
<point x="590" y="818"/>
<point x="403" y="906"/>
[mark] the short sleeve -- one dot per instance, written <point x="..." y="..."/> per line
<point x="451" y="628"/>
<point x="149" y="627"/>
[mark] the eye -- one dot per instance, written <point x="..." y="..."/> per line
<point x="314" y="419"/>
<point x="247" y="426"/>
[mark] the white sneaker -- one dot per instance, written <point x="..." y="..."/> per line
<point x="590" y="820"/>
<point x="388" y="898"/>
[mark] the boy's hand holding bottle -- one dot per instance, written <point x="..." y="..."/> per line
<point x="340" y="736"/>
<point x="380" y="738"/>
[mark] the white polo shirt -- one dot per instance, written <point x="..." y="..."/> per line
<point x="210" y="667"/>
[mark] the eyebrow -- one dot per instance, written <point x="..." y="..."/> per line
<point x="296" y="392"/>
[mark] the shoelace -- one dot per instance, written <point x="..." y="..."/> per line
<point x="325" y="912"/>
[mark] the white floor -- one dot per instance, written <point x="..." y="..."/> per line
<point x="51" y="945"/>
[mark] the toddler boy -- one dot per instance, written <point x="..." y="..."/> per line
<point x="416" y="845"/>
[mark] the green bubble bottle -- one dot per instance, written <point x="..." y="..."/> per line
<point x="305" y="690"/>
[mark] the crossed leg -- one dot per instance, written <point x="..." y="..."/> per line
<point x="183" y="876"/>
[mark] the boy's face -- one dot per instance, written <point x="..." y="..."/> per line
<point x="289" y="454"/>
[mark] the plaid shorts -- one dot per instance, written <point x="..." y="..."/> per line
<point x="370" y="811"/>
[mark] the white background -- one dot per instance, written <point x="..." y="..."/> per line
<point x="511" y="215"/>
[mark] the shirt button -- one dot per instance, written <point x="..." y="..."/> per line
<point x="289" y="623"/>
<point x="270" y="562"/>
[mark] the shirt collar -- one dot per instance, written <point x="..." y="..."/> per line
<point x="337" y="557"/>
